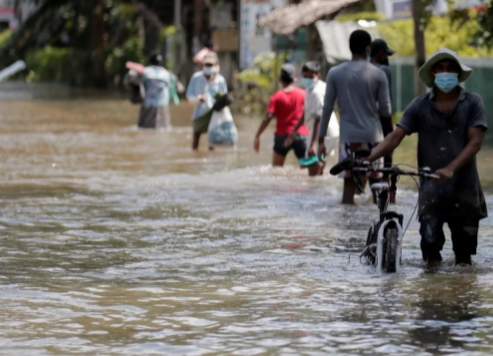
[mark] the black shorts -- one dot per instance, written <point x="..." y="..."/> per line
<point x="464" y="233"/>
<point x="299" y="145"/>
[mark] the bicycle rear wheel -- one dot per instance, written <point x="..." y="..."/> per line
<point x="391" y="244"/>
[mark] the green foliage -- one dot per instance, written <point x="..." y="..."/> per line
<point x="170" y="36"/>
<point x="355" y="17"/>
<point x="397" y="117"/>
<point x="257" y="84"/>
<point x="101" y="34"/>
<point x="6" y="58"/>
<point x="485" y="26"/>
<point x="131" y="50"/>
<point x="5" y="36"/>
<point x="441" y="31"/>
<point x="49" y="64"/>
<point x="167" y="31"/>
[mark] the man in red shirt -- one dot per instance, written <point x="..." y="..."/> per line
<point x="287" y="106"/>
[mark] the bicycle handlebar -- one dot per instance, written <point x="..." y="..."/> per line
<point x="352" y="165"/>
<point x="396" y="171"/>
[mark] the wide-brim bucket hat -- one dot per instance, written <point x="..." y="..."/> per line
<point x="440" y="55"/>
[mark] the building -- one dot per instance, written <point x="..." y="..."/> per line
<point x="7" y="17"/>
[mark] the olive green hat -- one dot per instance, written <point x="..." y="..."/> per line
<point x="440" y="55"/>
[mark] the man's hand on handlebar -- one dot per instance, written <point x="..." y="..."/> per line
<point x="444" y="175"/>
<point x="361" y="162"/>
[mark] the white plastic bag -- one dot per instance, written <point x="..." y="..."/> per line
<point x="222" y="129"/>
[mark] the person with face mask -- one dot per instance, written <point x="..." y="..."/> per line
<point x="380" y="53"/>
<point x="450" y="123"/>
<point x="314" y="103"/>
<point x="362" y="95"/>
<point x="204" y="87"/>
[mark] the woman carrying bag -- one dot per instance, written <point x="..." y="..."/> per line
<point x="202" y="90"/>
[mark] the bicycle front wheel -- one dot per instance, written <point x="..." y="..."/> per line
<point x="391" y="244"/>
<point x="369" y="254"/>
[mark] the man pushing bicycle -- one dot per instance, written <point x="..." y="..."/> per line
<point x="450" y="123"/>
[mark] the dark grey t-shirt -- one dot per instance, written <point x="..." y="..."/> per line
<point x="362" y="95"/>
<point x="388" y="74"/>
<point x="441" y="139"/>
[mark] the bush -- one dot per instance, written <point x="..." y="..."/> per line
<point x="49" y="64"/>
<point x="256" y="85"/>
<point x="170" y="37"/>
<point x="441" y="31"/>
<point x="132" y="50"/>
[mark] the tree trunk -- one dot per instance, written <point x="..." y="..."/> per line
<point x="74" y="60"/>
<point x="198" y="9"/>
<point x="312" y="43"/>
<point x="179" y="38"/>
<point x="419" y="42"/>
<point x="98" y="47"/>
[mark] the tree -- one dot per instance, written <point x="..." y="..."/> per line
<point x="92" y="29"/>
<point x="419" y="44"/>
<point x="485" y="22"/>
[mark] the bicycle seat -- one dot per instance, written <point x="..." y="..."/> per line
<point x="380" y="187"/>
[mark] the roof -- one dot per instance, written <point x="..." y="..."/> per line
<point x="288" y="18"/>
<point x="335" y="38"/>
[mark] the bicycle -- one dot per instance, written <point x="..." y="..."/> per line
<point x="384" y="240"/>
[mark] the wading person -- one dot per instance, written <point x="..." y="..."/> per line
<point x="286" y="105"/>
<point x="203" y="89"/>
<point x="362" y="95"/>
<point x="314" y="103"/>
<point x="450" y="123"/>
<point x="154" y="112"/>
<point x="380" y="53"/>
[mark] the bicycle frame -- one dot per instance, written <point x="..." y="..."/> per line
<point x="379" y="230"/>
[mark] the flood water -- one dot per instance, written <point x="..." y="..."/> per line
<point x="115" y="241"/>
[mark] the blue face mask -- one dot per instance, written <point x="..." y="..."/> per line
<point x="308" y="83"/>
<point x="446" y="82"/>
<point x="208" y="70"/>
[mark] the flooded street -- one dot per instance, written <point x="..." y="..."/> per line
<point x="115" y="241"/>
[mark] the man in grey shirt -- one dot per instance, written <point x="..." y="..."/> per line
<point x="362" y="95"/>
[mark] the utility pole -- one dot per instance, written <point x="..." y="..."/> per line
<point x="178" y="14"/>
<point x="179" y="45"/>
<point x="419" y="45"/>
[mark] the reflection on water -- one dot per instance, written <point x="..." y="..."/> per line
<point x="119" y="241"/>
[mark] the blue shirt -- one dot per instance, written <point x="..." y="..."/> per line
<point x="156" y="82"/>
<point x="199" y="85"/>
<point x="441" y="138"/>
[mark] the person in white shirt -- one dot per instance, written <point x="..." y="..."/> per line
<point x="202" y="90"/>
<point x="314" y="103"/>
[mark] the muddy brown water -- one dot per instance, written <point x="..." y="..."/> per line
<point x="115" y="241"/>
